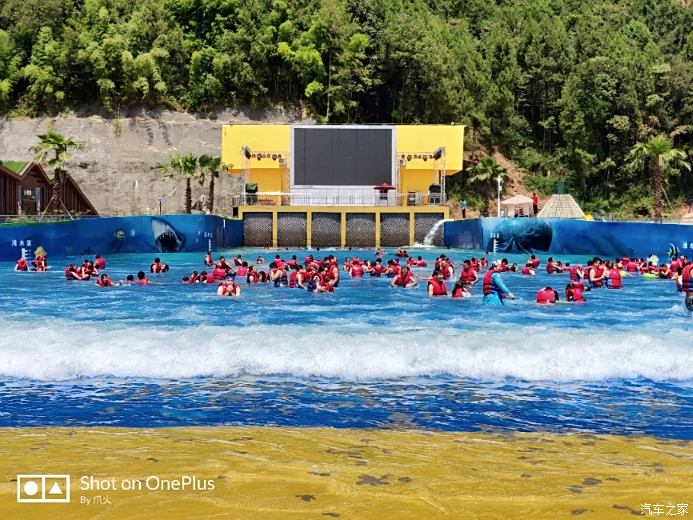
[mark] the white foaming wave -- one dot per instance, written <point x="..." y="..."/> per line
<point x="56" y="350"/>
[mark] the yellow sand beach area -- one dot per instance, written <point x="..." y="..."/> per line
<point x="321" y="473"/>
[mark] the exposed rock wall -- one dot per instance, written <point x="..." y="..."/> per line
<point x="115" y="168"/>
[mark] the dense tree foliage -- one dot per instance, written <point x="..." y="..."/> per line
<point x="564" y="88"/>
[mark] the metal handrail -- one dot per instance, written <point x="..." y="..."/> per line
<point x="337" y="199"/>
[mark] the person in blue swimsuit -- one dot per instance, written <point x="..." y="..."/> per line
<point x="495" y="291"/>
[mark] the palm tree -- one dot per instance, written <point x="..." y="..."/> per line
<point x="184" y="165"/>
<point x="54" y="149"/>
<point x="210" y="164"/>
<point x="483" y="175"/>
<point x="662" y="153"/>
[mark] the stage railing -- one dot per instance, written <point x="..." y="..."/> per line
<point x="337" y="199"/>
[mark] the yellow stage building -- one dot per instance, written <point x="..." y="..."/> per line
<point x="339" y="185"/>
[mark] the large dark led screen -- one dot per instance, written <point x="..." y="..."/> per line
<point x="342" y="156"/>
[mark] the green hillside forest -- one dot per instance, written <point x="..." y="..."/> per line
<point x="564" y="88"/>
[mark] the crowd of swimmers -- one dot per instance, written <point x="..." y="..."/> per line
<point x="322" y="275"/>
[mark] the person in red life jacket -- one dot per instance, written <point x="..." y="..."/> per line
<point x="550" y="266"/>
<point x="73" y="273"/>
<point x="597" y="273"/>
<point x="208" y="261"/>
<point x="129" y="279"/>
<point x="142" y="278"/>
<point x="631" y="266"/>
<point x="392" y="269"/>
<point x="534" y="261"/>
<point x="613" y="277"/>
<point x="402" y="253"/>
<point x="377" y="269"/>
<point x="221" y="270"/>
<point x="194" y="277"/>
<point x="40" y="262"/>
<point x="411" y="262"/>
<point x="321" y="282"/>
<point x="279" y="262"/>
<point x="157" y="266"/>
<point x="575" y="272"/>
<point x="686" y="282"/>
<point x="356" y="270"/>
<point x="405" y="279"/>
<point x="260" y="260"/>
<point x="664" y="272"/>
<point x="242" y="270"/>
<point x="293" y="262"/>
<point x="494" y="289"/>
<point x="574" y="292"/>
<point x="503" y="265"/>
<point x="228" y="288"/>
<point x="263" y="276"/>
<point x="100" y="262"/>
<point x="252" y="276"/>
<point x="547" y="296"/>
<point x="483" y="262"/>
<point x="21" y="265"/>
<point x="238" y="261"/>
<point x="527" y="270"/>
<point x="278" y="276"/>
<point x="347" y="265"/>
<point x="294" y="277"/>
<point x="331" y="272"/>
<point x="105" y="281"/>
<point x="203" y="277"/>
<point x="447" y="269"/>
<point x="420" y="262"/>
<point x="436" y="285"/>
<point x="460" y="289"/>
<point x="468" y="274"/>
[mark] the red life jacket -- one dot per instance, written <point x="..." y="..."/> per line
<point x="545" y="296"/>
<point x="686" y="282"/>
<point x="22" y="265"/>
<point x="615" y="279"/>
<point x="356" y="270"/>
<point x="421" y="263"/>
<point x="527" y="271"/>
<point x="550" y="268"/>
<point x="488" y="286"/>
<point x="106" y="283"/>
<point x="219" y="272"/>
<point x="325" y="283"/>
<point x="225" y="289"/>
<point x="631" y="267"/>
<point x="535" y="263"/>
<point x="403" y="281"/>
<point x="252" y="276"/>
<point x="156" y="267"/>
<point x="68" y="273"/>
<point x="457" y="292"/>
<point x="293" y="279"/>
<point x="242" y="271"/>
<point x="100" y="263"/>
<point x="439" y="288"/>
<point x="598" y="272"/>
<point x="144" y="281"/>
<point x="377" y="271"/>
<point x="576" y="293"/>
<point x="573" y="273"/>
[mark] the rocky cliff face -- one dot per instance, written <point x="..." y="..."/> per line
<point x="114" y="169"/>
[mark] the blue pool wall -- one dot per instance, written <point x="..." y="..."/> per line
<point x="570" y="237"/>
<point x="112" y="235"/>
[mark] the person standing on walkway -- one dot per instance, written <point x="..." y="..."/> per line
<point x="535" y="204"/>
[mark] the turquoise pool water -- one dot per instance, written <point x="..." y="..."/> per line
<point x="366" y="356"/>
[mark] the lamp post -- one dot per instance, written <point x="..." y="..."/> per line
<point x="159" y="201"/>
<point x="498" y="181"/>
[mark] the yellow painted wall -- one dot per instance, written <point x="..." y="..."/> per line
<point x="266" y="173"/>
<point x="426" y="138"/>
<point x="416" y="180"/>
